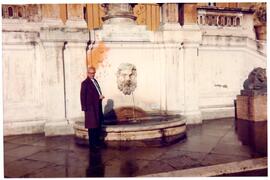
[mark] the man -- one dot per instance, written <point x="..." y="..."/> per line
<point x="91" y="103"/>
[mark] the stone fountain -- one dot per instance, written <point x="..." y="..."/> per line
<point x="131" y="124"/>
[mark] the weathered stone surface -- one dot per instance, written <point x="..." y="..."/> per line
<point x="253" y="133"/>
<point x="251" y="108"/>
<point x="173" y="66"/>
<point x="141" y="131"/>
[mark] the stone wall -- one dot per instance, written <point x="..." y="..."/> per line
<point x="43" y="65"/>
<point x="193" y="70"/>
<point x="22" y="78"/>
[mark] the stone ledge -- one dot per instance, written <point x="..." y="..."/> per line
<point x="253" y="92"/>
<point x="217" y="170"/>
<point x="27" y="127"/>
<point x="58" y="128"/>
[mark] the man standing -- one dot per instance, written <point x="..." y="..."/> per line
<point x="91" y="103"/>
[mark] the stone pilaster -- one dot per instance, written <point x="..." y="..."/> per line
<point x="191" y="92"/>
<point x="170" y="15"/>
<point x="63" y="70"/>
<point x="190" y="14"/>
<point x="75" y="16"/>
<point x="51" y="15"/>
<point x="75" y="73"/>
<point x="186" y="40"/>
<point x="56" y="122"/>
<point x="192" y="38"/>
<point x="174" y="78"/>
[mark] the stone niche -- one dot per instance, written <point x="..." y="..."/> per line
<point x="251" y="111"/>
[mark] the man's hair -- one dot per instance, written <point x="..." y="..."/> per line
<point x="93" y="68"/>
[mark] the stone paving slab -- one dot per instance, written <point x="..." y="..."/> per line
<point x="40" y="156"/>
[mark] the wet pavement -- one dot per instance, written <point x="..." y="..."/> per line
<point x="37" y="156"/>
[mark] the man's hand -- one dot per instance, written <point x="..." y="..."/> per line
<point x="101" y="97"/>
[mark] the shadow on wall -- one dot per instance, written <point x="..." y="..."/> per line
<point x="109" y="112"/>
<point x="122" y="114"/>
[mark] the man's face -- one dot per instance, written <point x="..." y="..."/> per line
<point x="91" y="73"/>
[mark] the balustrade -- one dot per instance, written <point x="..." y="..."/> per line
<point x="219" y="18"/>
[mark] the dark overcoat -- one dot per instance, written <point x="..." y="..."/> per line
<point x="91" y="104"/>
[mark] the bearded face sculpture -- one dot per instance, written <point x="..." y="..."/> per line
<point x="127" y="78"/>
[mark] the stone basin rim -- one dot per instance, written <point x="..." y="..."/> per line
<point x="137" y="127"/>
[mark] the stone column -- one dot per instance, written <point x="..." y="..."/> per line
<point x="119" y="13"/>
<point x="170" y="15"/>
<point x="119" y="24"/>
<point x="75" y="16"/>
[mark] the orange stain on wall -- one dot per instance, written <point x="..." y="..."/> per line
<point x="97" y="55"/>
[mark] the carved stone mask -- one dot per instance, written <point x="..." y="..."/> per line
<point x="126" y="78"/>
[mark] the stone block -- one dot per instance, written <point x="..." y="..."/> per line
<point x="252" y="108"/>
<point x="251" y="121"/>
<point x="253" y="133"/>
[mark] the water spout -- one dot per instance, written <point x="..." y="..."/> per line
<point x="134" y="118"/>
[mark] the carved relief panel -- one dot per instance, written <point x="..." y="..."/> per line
<point x="148" y="14"/>
<point x="140" y="12"/>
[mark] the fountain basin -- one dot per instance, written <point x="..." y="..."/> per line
<point x="157" y="131"/>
